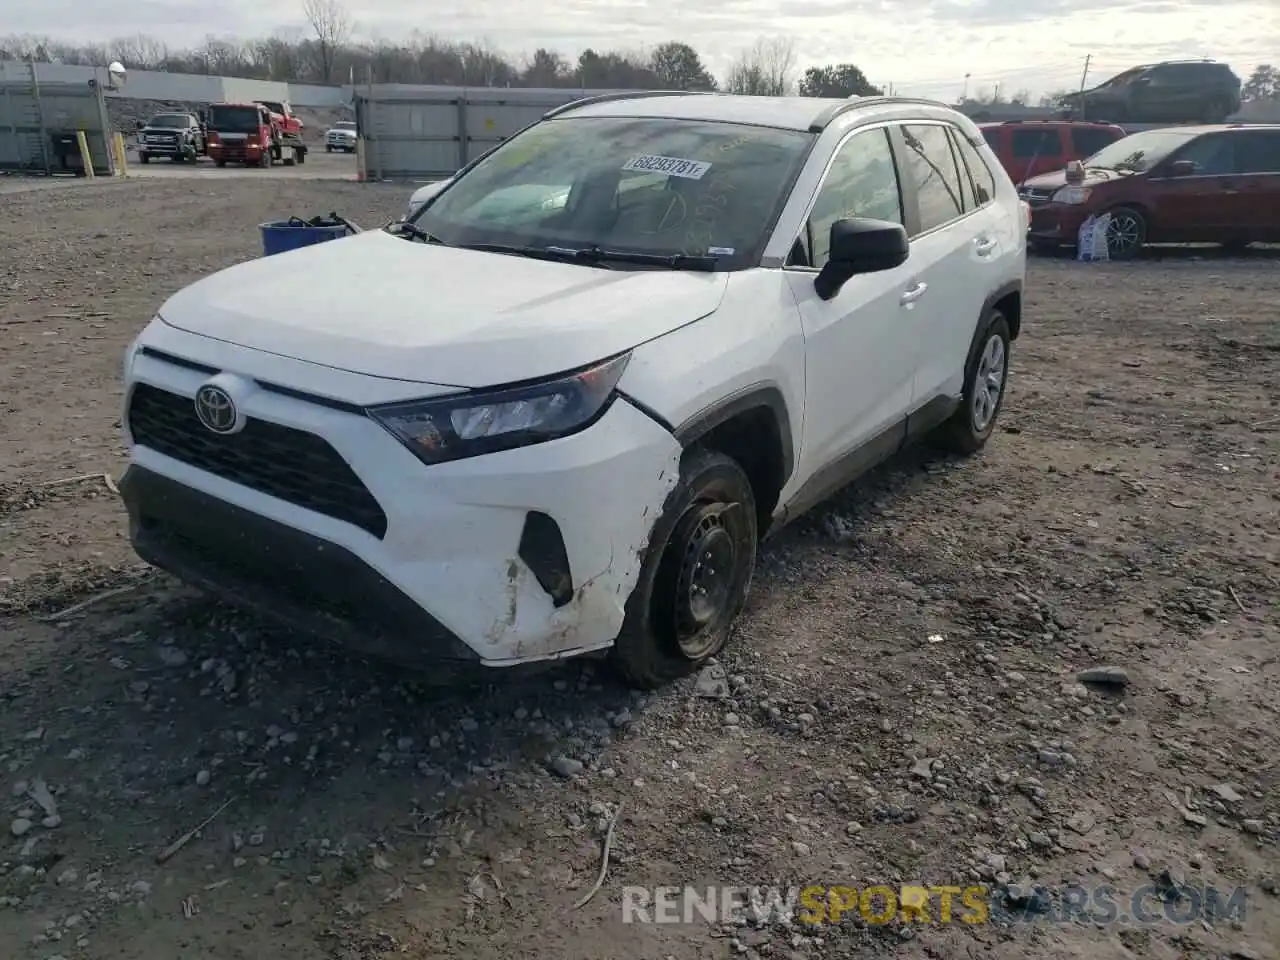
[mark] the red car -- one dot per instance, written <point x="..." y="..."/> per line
<point x="1202" y="184"/>
<point x="1028" y="148"/>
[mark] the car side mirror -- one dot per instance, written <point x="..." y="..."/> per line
<point x="1182" y="168"/>
<point x="861" y="245"/>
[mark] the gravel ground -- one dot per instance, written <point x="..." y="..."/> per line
<point x="904" y="699"/>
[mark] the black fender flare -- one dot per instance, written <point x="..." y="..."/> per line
<point x="980" y="326"/>
<point x="765" y="396"/>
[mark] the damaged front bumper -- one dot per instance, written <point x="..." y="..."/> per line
<point x="524" y="555"/>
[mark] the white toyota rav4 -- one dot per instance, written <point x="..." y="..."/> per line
<point x="555" y="410"/>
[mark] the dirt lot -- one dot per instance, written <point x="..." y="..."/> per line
<point x="904" y="702"/>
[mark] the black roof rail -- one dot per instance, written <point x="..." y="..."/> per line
<point x="829" y="114"/>
<point x="621" y="95"/>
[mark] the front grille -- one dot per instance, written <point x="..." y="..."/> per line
<point x="1043" y="222"/>
<point x="282" y="462"/>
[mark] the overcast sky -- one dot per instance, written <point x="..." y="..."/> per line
<point x="920" y="46"/>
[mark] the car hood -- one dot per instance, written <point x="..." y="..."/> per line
<point x="383" y="306"/>
<point x="1058" y="178"/>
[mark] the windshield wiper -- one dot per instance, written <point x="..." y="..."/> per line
<point x="406" y="229"/>
<point x="600" y="255"/>
<point x="523" y="250"/>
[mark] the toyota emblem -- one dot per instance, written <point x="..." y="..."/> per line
<point x="216" y="410"/>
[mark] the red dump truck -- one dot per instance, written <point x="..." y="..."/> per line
<point x="252" y="134"/>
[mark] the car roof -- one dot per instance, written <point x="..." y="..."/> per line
<point x="1201" y="128"/>
<point x="786" y="113"/>
<point x="992" y="124"/>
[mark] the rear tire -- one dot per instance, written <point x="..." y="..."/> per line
<point x="696" y="574"/>
<point x="986" y="376"/>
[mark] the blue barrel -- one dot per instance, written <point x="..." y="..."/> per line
<point x="282" y="235"/>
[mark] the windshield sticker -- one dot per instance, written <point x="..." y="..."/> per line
<point x="720" y="251"/>
<point x="671" y="166"/>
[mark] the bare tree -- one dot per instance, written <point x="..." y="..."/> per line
<point x="140" y="52"/>
<point x="332" y="24"/>
<point x="765" y="69"/>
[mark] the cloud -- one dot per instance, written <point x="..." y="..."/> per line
<point x="921" y="46"/>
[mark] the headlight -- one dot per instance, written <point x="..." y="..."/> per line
<point x="1072" y="195"/>
<point x="470" y="424"/>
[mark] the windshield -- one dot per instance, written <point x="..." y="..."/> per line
<point x="1120" y="79"/>
<point x="1140" y="152"/>
<point x="174" y="121"/>
<point x="273" y="106"/>
<point x="344" y="125"/>
<point x="233" y="119"/>
<point x="637" y="184"/>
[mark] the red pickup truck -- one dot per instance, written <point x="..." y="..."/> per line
<point x="282" y="116"/>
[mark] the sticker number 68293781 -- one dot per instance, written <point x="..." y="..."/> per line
<point x="671" y="166"/>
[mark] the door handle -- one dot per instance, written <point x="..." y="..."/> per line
<point x="914" y="294"/>
<point x="984" y="246"/>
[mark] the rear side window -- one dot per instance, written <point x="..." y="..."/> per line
<point x="1259" y="153"/>
<point x="932" y="166"/>
<point x="993" y="138"/>
<point x="1086" y="141"/>
<point x="1031" y="142"/>
<point x="979" y="185"/>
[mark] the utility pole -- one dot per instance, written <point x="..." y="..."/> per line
<point x="1083" y="77"/>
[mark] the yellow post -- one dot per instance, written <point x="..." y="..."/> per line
<point x="85" y="157"/>
<point x="122" y="155"/>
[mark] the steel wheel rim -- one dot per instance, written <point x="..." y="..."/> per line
<point x="988" y="383"/>
<point x="707" y="571"/>
<point x="1124" y="233"/>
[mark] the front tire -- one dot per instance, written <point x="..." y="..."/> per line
<point x="1216" y="111"/>
<point x="696" y="574"/>
<point x="1127" y="233"/>
<point x="985" y="379"/>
